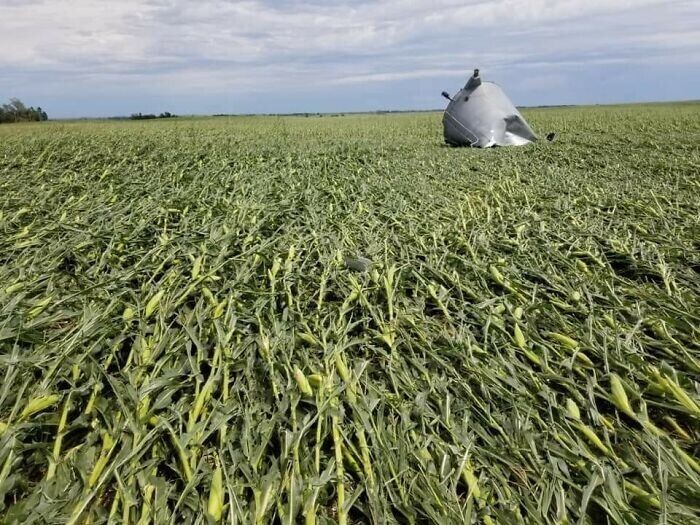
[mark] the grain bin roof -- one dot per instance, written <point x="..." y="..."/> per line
<point x="481" y="115"/>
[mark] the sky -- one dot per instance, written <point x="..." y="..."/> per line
<point x="88" y="58"/>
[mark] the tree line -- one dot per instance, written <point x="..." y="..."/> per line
<point x="148" y="116"/>
<point x="16" y="111"/>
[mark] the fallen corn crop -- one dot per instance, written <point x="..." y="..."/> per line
<point x="340" y="320"/>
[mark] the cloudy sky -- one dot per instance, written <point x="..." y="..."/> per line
<point x="115" y="57"/>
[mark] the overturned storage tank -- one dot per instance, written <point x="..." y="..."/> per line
<point x="481" y="115"/>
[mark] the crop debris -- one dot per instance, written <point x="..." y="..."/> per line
<point x="340" y="320"/>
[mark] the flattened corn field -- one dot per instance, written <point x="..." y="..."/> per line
<point x="338" y="319"/>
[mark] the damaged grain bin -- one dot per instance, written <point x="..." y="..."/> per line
<point x="481" y="115"/>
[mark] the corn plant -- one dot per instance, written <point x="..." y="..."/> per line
<point x="340" y="320"/>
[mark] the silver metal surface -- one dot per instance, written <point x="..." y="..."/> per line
<point x="481" y="115"/>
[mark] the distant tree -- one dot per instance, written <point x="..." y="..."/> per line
<point x="16" y="111"/>
<point x="149" y="116"/>
<point x="18" y="107"/>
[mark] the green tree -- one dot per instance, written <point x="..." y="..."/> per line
<point x="17" y="111"/>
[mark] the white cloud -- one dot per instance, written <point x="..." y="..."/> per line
<point x="223" y="45"/>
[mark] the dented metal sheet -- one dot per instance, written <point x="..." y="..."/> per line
<point x="481" y="115"/>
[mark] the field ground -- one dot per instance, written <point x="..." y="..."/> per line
<point x="187" y="335"/>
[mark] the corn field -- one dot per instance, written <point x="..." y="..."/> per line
<point x="340" y="320"/>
